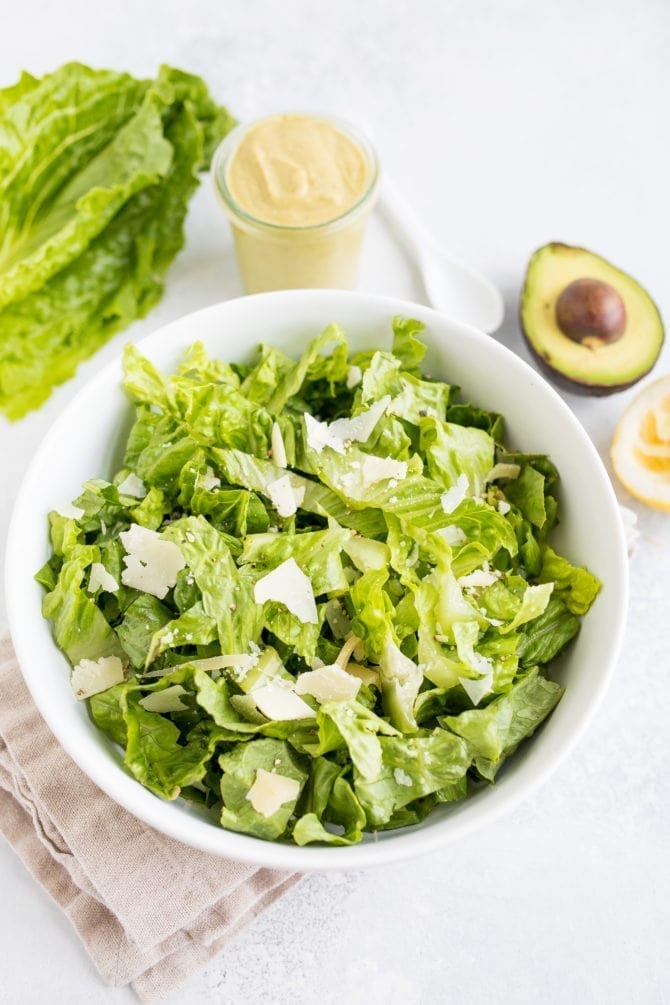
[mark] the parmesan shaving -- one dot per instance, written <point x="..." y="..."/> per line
<point x="132" y="486"/>
<point x="289" y="585"/>
<point x="285" y="496"/>
<point x="151" y="563"/>
<point x="360" y="427"/>
<point x="279" y="458"/>
<point x="453" y="535"/>
<point x="279" y="702"/>
<point x="477" y="689"/>
<point x="320" y="436"/>
<point x="480" y="577"/>
<point x="90" y="677"/>
<point x="209" y="480"/>
<point x="454" y="496"/>
<point x="270" y="791"/>
<point x="167" y="700"/>
<point x="376" y="469"/>
<point x="503" y="471"/>
<point x="329" y="683"/>
<point x="100" y="579"/>
<point x="402" y="778"/>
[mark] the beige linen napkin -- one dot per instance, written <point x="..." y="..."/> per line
<point x="149" y="910"/>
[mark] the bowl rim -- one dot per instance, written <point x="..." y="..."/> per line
<point x="406" y="842"/>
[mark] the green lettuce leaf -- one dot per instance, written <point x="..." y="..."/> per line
<point x="576" y="586"/>
<point x="80" y="628"/>
<point x="155" y="753"/>
<point x="495" y="732"/>
<point x="411" y="767"/>
<point x="453" y="450"/>
<point x="239" y="773"/>
<point x="546" y="636"/>
<point x="407" y="346"/>
<point x="96" y="170"/>
<point x="227" y="595"/>
<point x="330" y="800"/>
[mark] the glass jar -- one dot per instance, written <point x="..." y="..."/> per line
<point x="274" y="255"/>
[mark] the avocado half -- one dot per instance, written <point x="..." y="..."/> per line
<point x="590" y="326"/>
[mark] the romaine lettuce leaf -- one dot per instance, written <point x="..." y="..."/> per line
<point x="239" y="767"/>
<point x="452" y="450"/>
<point x="330" y="800"/>
<point x="496" y="731"/>
<point x="546" y="636"/>
<point x="96" y="170"/>
<point x="411" y="767"/>
<point x="575" y="585"/>
<point x="80" y="628"/>
<point x="227" y="595"/>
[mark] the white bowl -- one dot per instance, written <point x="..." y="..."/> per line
<point x="87" y="439"/>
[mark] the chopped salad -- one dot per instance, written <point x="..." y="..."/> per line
<point x="319" y="597"/>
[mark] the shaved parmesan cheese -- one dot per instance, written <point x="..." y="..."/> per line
<point x="279" y="458"/>
<point x="365" y="674"/>
<point x="93" y="676"/>
<point x="279" y="702"/>
<point x="100" y="579"/>
<point x="354" y="376"/>
<point x="503" y="507"/>
<point x="453" y="535"/>
<point x="503" y="471"/>
<point x="480" y="577"/>
<point x="167" y="700"/>
<point x="335" y="435"/>
<point x="209" y="480"/>
<point x="329" y="683"/>
<point x="270" y="791"/>
<point x="376" y="469"/>
<point x="70" y="511"/>
<point x="320" y="436"/>
<point x="402" y="778"/>
<point x="285" y="496"/>
<point x="239" y="662"/>
<point x="151" y="563"/>
<point x="477" y="689"/>
<point x="361" y="426"/>
<point x="289" y="585"/>
<point x="454" y="496"/>
<point x="132" y="486"/>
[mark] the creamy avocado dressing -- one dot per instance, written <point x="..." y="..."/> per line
<point x="298" y="190"/>
<point x="296" y="171"/>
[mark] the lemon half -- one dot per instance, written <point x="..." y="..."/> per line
<point x="640" y="449"/>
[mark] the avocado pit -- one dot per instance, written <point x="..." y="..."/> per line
<point x="591" y="312"/>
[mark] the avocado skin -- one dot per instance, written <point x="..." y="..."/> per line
<point x="577" y="386"/>
<point x="558" y="377"/>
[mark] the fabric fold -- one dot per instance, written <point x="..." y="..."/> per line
<point x="150" y="911"/>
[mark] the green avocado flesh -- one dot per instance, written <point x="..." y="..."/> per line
<point x="591" y="368"/>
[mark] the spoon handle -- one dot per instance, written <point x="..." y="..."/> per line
<point x="451" y="286"/>
<point x="399" y="212"/>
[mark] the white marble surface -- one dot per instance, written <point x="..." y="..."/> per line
<point x="509" y="124"/>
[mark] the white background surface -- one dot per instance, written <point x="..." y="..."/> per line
<point x="508" y="124"/>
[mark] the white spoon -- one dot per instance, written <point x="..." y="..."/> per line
<point x="452" y="288"/>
